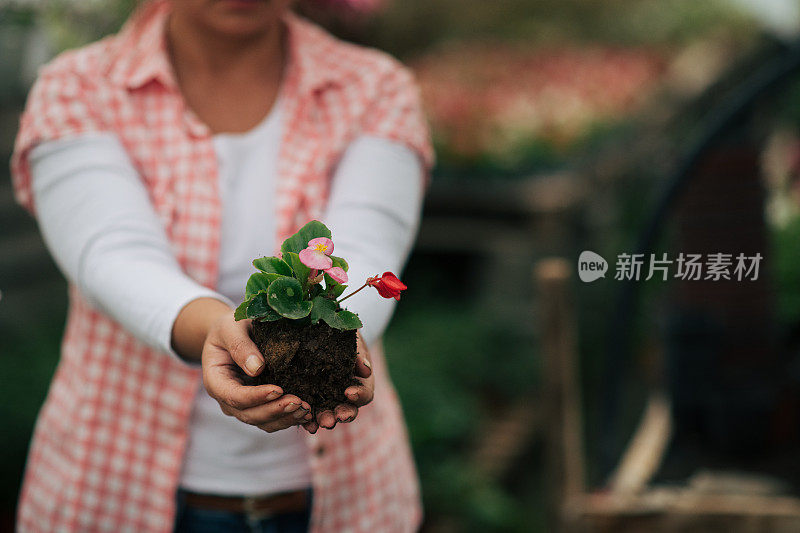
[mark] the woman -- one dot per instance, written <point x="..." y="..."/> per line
<point x="159" y="162"/>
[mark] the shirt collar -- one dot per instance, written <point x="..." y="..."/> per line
<point x="312" y="62"/>
<point x="142" y="54"/>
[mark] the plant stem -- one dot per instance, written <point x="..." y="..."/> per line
<point x="352" y="293"/>
<point x="309" y="286"/>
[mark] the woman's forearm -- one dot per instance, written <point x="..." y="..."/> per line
<point x="192" y="325"/>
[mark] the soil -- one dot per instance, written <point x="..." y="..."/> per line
<point x="315" y="362"/>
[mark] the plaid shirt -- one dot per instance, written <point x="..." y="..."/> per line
<point x="109" y="441"/>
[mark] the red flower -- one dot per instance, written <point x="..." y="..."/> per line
<point x="388" y="285"/>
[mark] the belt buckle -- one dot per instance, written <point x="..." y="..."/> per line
<point x="250" y="505"/>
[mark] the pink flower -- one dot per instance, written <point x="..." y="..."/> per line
<point x="338" y="274"/>
<point x="316" y="255"/>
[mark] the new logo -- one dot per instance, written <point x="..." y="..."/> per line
<point x="591" y="266"/>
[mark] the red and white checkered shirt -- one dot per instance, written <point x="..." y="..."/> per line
<point x="109" y="442"/>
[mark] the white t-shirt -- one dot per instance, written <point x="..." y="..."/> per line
<point x="97" y="220"/>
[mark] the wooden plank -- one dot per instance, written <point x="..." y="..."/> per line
<point x="562" y="393"/>
<point x="683" y="501"/>
<point x="647" y="447"/>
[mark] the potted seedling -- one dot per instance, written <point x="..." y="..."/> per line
<point x="307" y="338"/>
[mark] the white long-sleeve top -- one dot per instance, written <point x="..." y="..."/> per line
<point x="98" y="222"/>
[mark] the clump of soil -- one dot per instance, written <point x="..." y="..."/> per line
<point x="315" y="362"/>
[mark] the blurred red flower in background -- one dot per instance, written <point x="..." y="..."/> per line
<point x="491" y="99"/>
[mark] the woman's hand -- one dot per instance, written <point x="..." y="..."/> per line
<point x="227" y="346"/>
<point x="359" y="395"/>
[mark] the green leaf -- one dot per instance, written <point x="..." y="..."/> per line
<point x="259" y="282"/>
<point x="258" y="308"/>
<point x="315" y="291"/>
<point x="286" y="297"/>
<point x="326" y="310"/>
<point x="272" y="265"/>
<point x="337" y="290"/>
<point x="241" y="311"/>
<point x="339" y="262"/>
<point x="347" y="320"/>
<point x="299" y="241"/>
<point x="323" y="309"/>
<point x="301" y="271"/>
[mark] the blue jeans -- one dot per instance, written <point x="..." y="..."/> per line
<point x="195" y="520"/>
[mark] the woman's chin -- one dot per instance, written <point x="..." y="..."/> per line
<point x="244" y="18"/>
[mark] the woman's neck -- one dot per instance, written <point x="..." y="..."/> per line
<point x="197" y="51"/>
<point x="230" y="82"/>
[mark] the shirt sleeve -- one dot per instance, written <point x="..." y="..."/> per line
<point x="373" y="212"/>
<point x="396" y="113"/>
<point x="98" y="223"/>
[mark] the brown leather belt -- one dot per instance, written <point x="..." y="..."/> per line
<point x="274" y="504"/>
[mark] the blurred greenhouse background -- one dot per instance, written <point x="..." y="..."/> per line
<point x="556" y="123"/>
